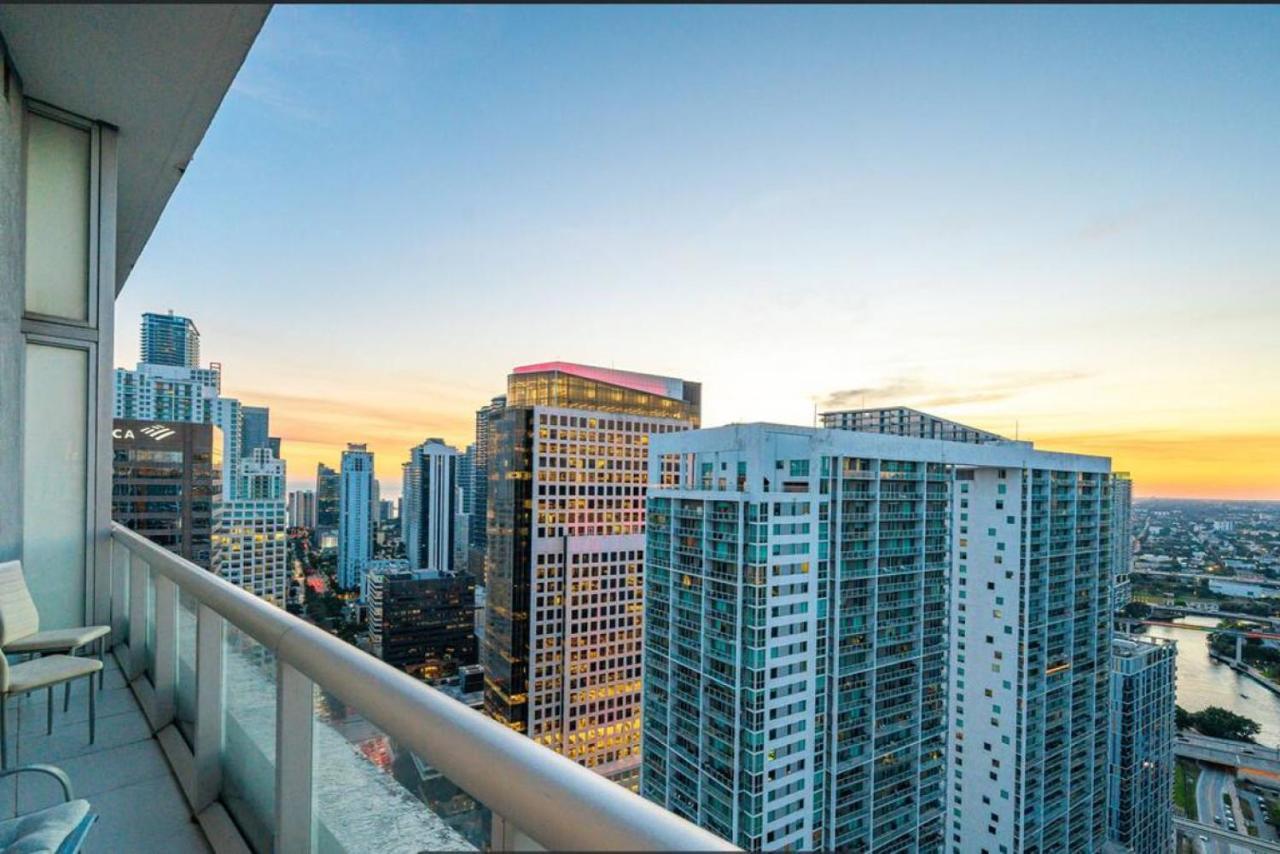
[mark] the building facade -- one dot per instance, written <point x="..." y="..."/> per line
<point x="255" y="429"/>
<point x="355" y="511"/>
<point x="1122" y="523"/>
<point x="814" y="676"/>
<point x="565" y="553"/>
<point x="328" y="488"/>
<point x="168" y="339"/>
<point x="431" y="506"/>
<point x="467" y="482"/>
<point x="253" y="536"/>
<point x="1143" y="728"/>
<point x="166" y="484"/>
<point x="905" y="421"/>
<point x="421" y="619"/>
<point x="485" y="418"/>
<point x="302" y="509"/>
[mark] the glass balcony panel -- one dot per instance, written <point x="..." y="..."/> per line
<point x="186" y="688"/>
<point x="150" y="641"/>
<point x="249" y="737"/>
<point x="369" y="793"/>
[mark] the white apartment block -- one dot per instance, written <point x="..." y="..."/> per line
<point x="174" y="393"/>
<point x="302" y="508"/>
<point x="253" y="534"/>
<point x="431" y="506"/>
<point x="847" y="639"/>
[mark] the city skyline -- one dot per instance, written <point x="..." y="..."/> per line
<point x="806" y="190"/>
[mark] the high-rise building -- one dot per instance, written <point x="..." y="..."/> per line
<point x="167" y="393"/>
<point x="804" y="686"/>
<point x="171" y="393"/>
<point x="168" y="339"/>
<point x="386" y="510"/>
<point x="1122" y="525"/>
<point x="565" y="552"/>
<point x="253" y="534"/>
<point x="327" y="511"/>
<point x="302" y="509"/>
<point x="467" y="482"/>
<point x="485" y="417"/>
<point x="431" y="506"/>
<point x="421" y="618"/>
<point x="255" y="429"/>
<point x="1142" y="731"/>
<point x="355" y="510"/>
<point x="166" y="484"/>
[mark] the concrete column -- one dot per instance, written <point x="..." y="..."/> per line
<point x="1239" y="649"/>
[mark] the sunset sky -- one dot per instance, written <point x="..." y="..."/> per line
<point x="1063" y="222"/>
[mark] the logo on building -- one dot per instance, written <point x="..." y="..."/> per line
<point x="157" y="432"/>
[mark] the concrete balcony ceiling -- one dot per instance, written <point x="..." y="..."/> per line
<point x="156" y="72"/>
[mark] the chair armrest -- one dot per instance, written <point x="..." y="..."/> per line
<point x="56" y="773"/>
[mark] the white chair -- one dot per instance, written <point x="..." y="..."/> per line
<point x="20" y="626"/>
<point x="61" y="828"/>
<point x="44" y="672"/>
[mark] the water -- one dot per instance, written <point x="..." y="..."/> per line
<point x="1203" y="682"/>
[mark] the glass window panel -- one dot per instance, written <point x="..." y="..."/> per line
<point x="186" y="717"/>
<point x="149" y="639"/>
<point x="57" y="256"/>
<point x="249" y="737"/>
<point x="54" y="481"/>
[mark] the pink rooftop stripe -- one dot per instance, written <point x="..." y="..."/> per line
<point x="662" y="386"/>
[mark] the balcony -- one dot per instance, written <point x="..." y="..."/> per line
<point x="267" y="731"/>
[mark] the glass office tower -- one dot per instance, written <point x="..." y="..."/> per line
<point x="568" y="466"/>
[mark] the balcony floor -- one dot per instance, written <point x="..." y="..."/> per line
<point x="123" y="775"/>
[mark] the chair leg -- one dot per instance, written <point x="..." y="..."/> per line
<point x="4" y="732"/>
<point x="102" y="652"/>
<point x="93" y="708"/>
<point x="66" y="688"/>
<point x="48" y="729"/>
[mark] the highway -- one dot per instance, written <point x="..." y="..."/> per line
<point x="1220" y="841"/>
<point x="1232" y="753"/>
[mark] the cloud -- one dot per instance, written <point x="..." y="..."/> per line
<point x="917" y="391"/>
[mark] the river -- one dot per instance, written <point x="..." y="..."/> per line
<point x="1203" y="682"/>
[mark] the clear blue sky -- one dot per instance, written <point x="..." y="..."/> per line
<point x="1061" y="217"/>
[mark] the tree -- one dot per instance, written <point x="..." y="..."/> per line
<point x="1217" y="722"/>
<point x="1137" y="610"/>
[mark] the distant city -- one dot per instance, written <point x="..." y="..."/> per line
<point x="889" y="632"/>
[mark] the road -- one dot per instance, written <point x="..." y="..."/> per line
<point x="1210" y="789"/>
<point x="1219" y="841"/>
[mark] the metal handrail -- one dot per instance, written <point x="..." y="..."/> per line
<point x="548" y="797"/>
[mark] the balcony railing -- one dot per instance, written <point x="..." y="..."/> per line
<point x="293" y="732"/>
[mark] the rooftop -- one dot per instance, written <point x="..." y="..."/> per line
<point x="672" y="387"/>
